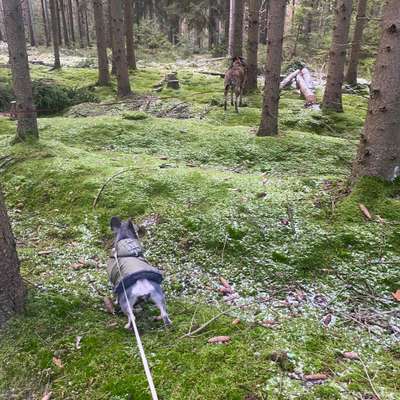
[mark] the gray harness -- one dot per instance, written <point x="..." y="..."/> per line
<point x="132" y="266"/>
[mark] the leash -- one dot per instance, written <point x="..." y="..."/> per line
<point x="137" y="335"/>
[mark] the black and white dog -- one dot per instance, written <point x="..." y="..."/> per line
<point x="132" y="273"/>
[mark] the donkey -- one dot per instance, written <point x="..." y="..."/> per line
<point x="235" y="80"/>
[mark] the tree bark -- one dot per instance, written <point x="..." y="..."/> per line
<point x="58" y="13"/>
<point x="337" y="57"/>
<point x="104" y="75"/>
<point x="236" y="28"/>
<point x="119" y="53"/>
<point x="212" y="25"/>
<point x="71" y="20"/>
<point x="264" y="22"/>
<point x="30" y="24"/>
<point x="379" y="149"/>
<point x="252" y="45"/>
<point x="45" y="25"/>
<point x="54" y="30"/>
<point x="12" y="289"/>
<point x="85" y="13"/>
<point x="276" y="26"/>
<point x="130" y="45"/>
<point x="64" y="23"/>
<point x="22" y="85"/>
<point x="361" y="22"/>
<point x="79" y="16"/>
<point x="226" y="21"/>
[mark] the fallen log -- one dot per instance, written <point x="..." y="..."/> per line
<point x="305" y="90"/>
<point x="306" y="74"/>
<point x="221" y="75"/>
<point x="288" y="80"/>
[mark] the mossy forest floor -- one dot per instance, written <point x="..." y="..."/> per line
<point x="273" y="216"/>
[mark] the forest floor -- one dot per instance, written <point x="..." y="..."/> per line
<point x="312" y="277"/>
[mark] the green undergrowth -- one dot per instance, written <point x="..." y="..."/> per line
<point x="271" y="215"/>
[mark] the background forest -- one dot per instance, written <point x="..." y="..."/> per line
<point x="277" y="227"/>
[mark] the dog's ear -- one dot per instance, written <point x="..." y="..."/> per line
<point x="115" y="224"/>
<point x="132" y="227"/>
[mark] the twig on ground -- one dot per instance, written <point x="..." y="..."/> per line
<point x="106" y="182"/>
<point x="370" y="380"/>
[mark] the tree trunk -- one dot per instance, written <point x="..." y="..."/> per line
<point x="212" y="25"/>
<point x="337" y="57"/>
<point x="252" y="45"/>
<point x="58" y="13"/>
<point x="64" y="23"/>
<point x="226" y="21"/>
<point x="30" y="24"/>
<point x="45" y="26"/>
<point x="85" y="13"/>
<point x="54" y="30"/>
<point x="119" y="53"/>
<point x="276" y="26"/>
<point x="22" y="85"/>
<point x="104" y="75"/>
<point x="79" y="16"/>
<point x="361" y="22"/>
<point x="48" y="17"/>
<point x="71" y="20"/>
<point x="12" y="289"/>
<point x="379" y="150"/>
<point x="236" y="28"/>
<point x="111" y="31"/>
<point x="264" y="22"/>
<point x="130" y="45"/>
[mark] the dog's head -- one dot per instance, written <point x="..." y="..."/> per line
<point x="123" y="229"/>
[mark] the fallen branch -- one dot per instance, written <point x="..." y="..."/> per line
<point x="306" y="90"/>
<point x="105" y="184"/>
<point x="370" y="380"/>
<point x="221" y="75"/>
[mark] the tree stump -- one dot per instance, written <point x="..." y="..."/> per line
<point x="172" y="81"/>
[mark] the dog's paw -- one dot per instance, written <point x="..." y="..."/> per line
<point x="167" y="321"/>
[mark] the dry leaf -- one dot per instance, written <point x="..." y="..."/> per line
<point x="351" y="355"/>
<point x="365" y="211"/>
<point x="224" y="290"/>
<point x="396" y="295"/>
<point x="47" y="396"/>
<point x="268" y="323"/>
<point x="315" y="377"/>
<point x="58" y="362"/>
<point x="226" y="287"/>
<point x="236" y="321"/>
<point x="219" y="339"/>
<point x="108" y="304"/>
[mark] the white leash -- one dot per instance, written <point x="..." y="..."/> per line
<point x="138" y="340"/>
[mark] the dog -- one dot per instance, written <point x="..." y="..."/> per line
<point x="235" y="80"/>
<point x="133" y="273"/>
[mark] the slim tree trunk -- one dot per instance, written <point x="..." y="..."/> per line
<point x="276" y="26"/>
<point x="54" y="30"/>
<point x="22" y="85"/>
<point x="45" y="26"/>
<point x="104" y="75"/>
<point x="337" y="57"/>
<point x="130" y="45"/>
<point x="264" y="22"/>
<point x="64" y="22"/>
<point x="361" y="22"/>
<point x="252" y="45"/>
<point x="48" y="17"/>
<point x="79" y="16"/>
<point x="236" y="28"/>
<point x="111" y="31"/>
<point x="379" y="150"/>
<point x="212" y="25"/>
<point x="30" y="24"/>
<point x="121" y="64"/>
<point x="12" y="289"/>
<point x="85" y="13"/>
<point x="226" y="21"/>
<point x="71" y="20"/>
<point x="58" y="13"/>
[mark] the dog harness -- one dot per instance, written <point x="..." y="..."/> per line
<point x="132" y="265"/>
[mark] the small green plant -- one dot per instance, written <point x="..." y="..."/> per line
<point x="135" y="115"/>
